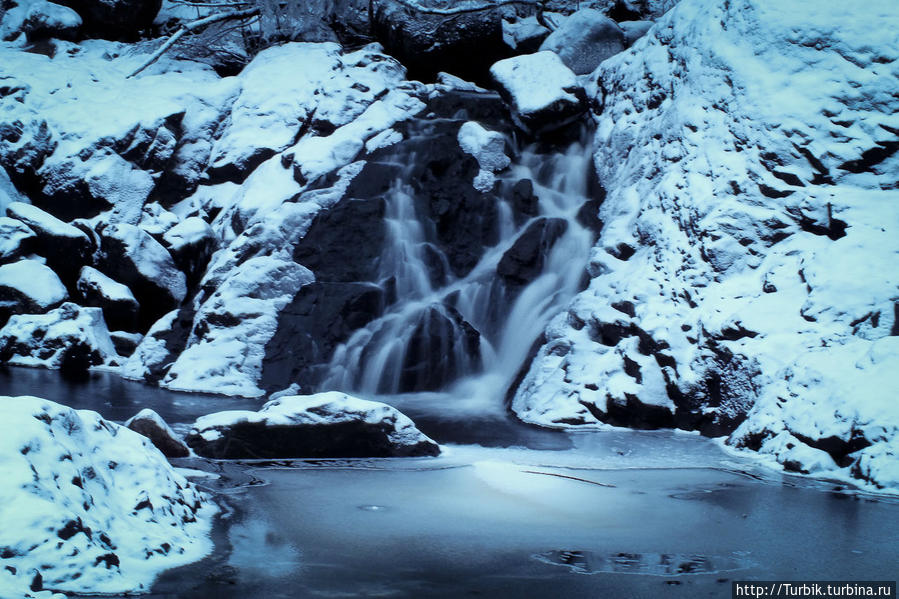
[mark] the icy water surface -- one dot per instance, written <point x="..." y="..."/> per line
<point x="507" y="511"/>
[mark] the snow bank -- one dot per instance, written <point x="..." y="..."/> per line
<point x="89" y="506"/>
<point x="745" y="275"/>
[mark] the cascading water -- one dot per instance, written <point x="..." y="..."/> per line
<point x="470" y="335"/>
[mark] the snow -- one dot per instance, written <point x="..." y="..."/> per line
<point x="47" y="18"/>
<point x="13" y="236"/>
<point x="191" y="231"/>
<point x="535" y="81"/>
<point x="42" y="339"/>
<point x="91" y="278"/>
<point x="92" y="506"/>
<point x="488" y="148"/>
<point x="727" y="145"/>
<point x="43" y="223"/>
<point x="149" y="259"/>
<point x="36" y="283"/>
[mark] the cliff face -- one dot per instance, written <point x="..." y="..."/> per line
<point x="744" y="281"/>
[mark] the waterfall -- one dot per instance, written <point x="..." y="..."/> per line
<point x="445" y="331"/>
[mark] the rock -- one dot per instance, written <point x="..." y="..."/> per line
<point x="488" y="148"/>
<point x="634" y="30"/>
<point x="428" y="38"/>
<point x="65" y="247"/>
<point x="105" y="510"/>
<point x="584" y="40"/>
<point x="523" y="262"/>
<point x="160" y="347"/>
<point x="115" y="19"/>
<point x="156" y="220"/>
<point x="543" y="93"/>
<point x="120" y="309"/>
<point x="16" y="239"/>
<point x="49" y="20"/>
<point x="131" y="256"/>
<point x="640" y="10"/>
<point x="125" y="343"/>
<point x="27" y="286"/>
<point x="149" y="424"/>
<point x="61" y="334"/>
<point x="326" y="425"/>
<point x="191" y="244"/>
<point x="525" y="35"/>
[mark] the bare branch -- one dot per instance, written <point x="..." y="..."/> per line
<point x="192" y="26"/>
<point x="463" y="9"/>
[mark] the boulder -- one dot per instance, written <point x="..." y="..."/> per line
<point x="191" y="243"/>
<point x="523" y="262"/>
<point x="27" y="286"/>
<point x="131" y="256"/>
<point x="115" y="19"/>
<point x="120" y="309"/>
<point x="639" y="10"/>
<point x="69" y="333"/>
<point x="488" y="148"/>
<point x="524" y="36"/>
<point x="325" y="425"/>
<point x="542" y="92"/>
<point x="429" y="37"/>
<point x="66" y="247"/>
<point x="151" y="425"/>
<point x="89" y="506"/>
<point x="49" y="20"/>
<point x="584" y="40"/>
<point x="125" y="343"/>
<point x="634" y="30"/>
<point x="16" y="239"/>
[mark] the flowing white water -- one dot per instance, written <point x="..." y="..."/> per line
<point x="426" y="341"/>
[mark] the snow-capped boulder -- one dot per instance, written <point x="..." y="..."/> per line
<point x="115" y="19"/>
<point x="191" y="244"/>
<point x="326" y="425"/>
<point x="65" y="246"/>
<point x="16" y="239"/>
<point x="634" y="30"/>
<point x="47" y="19"/>
<point x="543" y="93"/>
<point x="584" y="40"/>
<point x="88" y="506"/>
<point x="120" y="309"/>
<point x="125" y="343"/>
<point x="27" y="286"/>
<point x="744" y="269"/>
<point x="69" y="337"/>
<point x="151" y="425"/>
<point x="488" y="148"/>
<point x="524" y="35"/>
<point x="131" y="256"/>
<point x="430" y="36"/>
<point x="158" y="349"/>
<point x="156" y="220"/>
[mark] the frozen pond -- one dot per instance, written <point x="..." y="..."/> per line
<point x="507" y="511"/>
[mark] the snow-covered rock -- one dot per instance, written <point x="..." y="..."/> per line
<point x="65" y="246"/>
<point x="133" y="257"/>
<point x="16" y="239"/>
<point x="120" y="309"/>
<point x="191" y="243"/>
<point x="28" y="286"/>
<point x="745" y="269"/>
<point x="151" y="425"/>
<point x="47" y="19"/>
<point x="524" y="35"/>
<point x="68" y="337"/>
<point x="88" y="506"/>
<point x="326" y="425"/>
<point x="488" y="148"/>
<point x="640" y="10"/>
<point x="634" y="30"/>
<point x="584" y="40"/>
<point x="115" y="19"/>
<point x="543" y="93"/>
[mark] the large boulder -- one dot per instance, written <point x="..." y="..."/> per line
<point x="120" y="309"/>
<point x="90" y="507"/>
<point x="16" y="239"/>
<point x="524" y="261"/>
<point x="151" y="425"/>
<point x="326" y="425"/>
<point x="131" y="256"/>
<point x="584" y="40"/>
<point x="191" y="243"/>
<point x="49" y="20"/>
<point x="429" y="36"/>
<point x="115" y="19"/>
<point x="27" y="286"/>
<point x="70" y="337"/>
<point x="542" y="92"/>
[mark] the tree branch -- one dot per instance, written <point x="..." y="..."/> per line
<point x="461" y="10"/>
<point x="192" y="26"/>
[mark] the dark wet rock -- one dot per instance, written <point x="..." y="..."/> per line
<point x="542" y="92"/>
<point x="66" y="247"/>
<point x="326" y="425"/>
<point x="115" y="19"/>
<point x="524" y="201"/>
<point x="523" y="262"/>
<point x="149" y="424"/>
<point x="584" y="40"/>
<point x="120" y="309"/>
<point x="428" y="40"/>
<point x="191" y="244"/>
<point x="321" y="316"/>
<point x="29" y="287"/>
<point x="630" y="412"/>
<point x="442" y="347"/>
<point x="131" y="256"/>
<point x="125" y="343"/>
